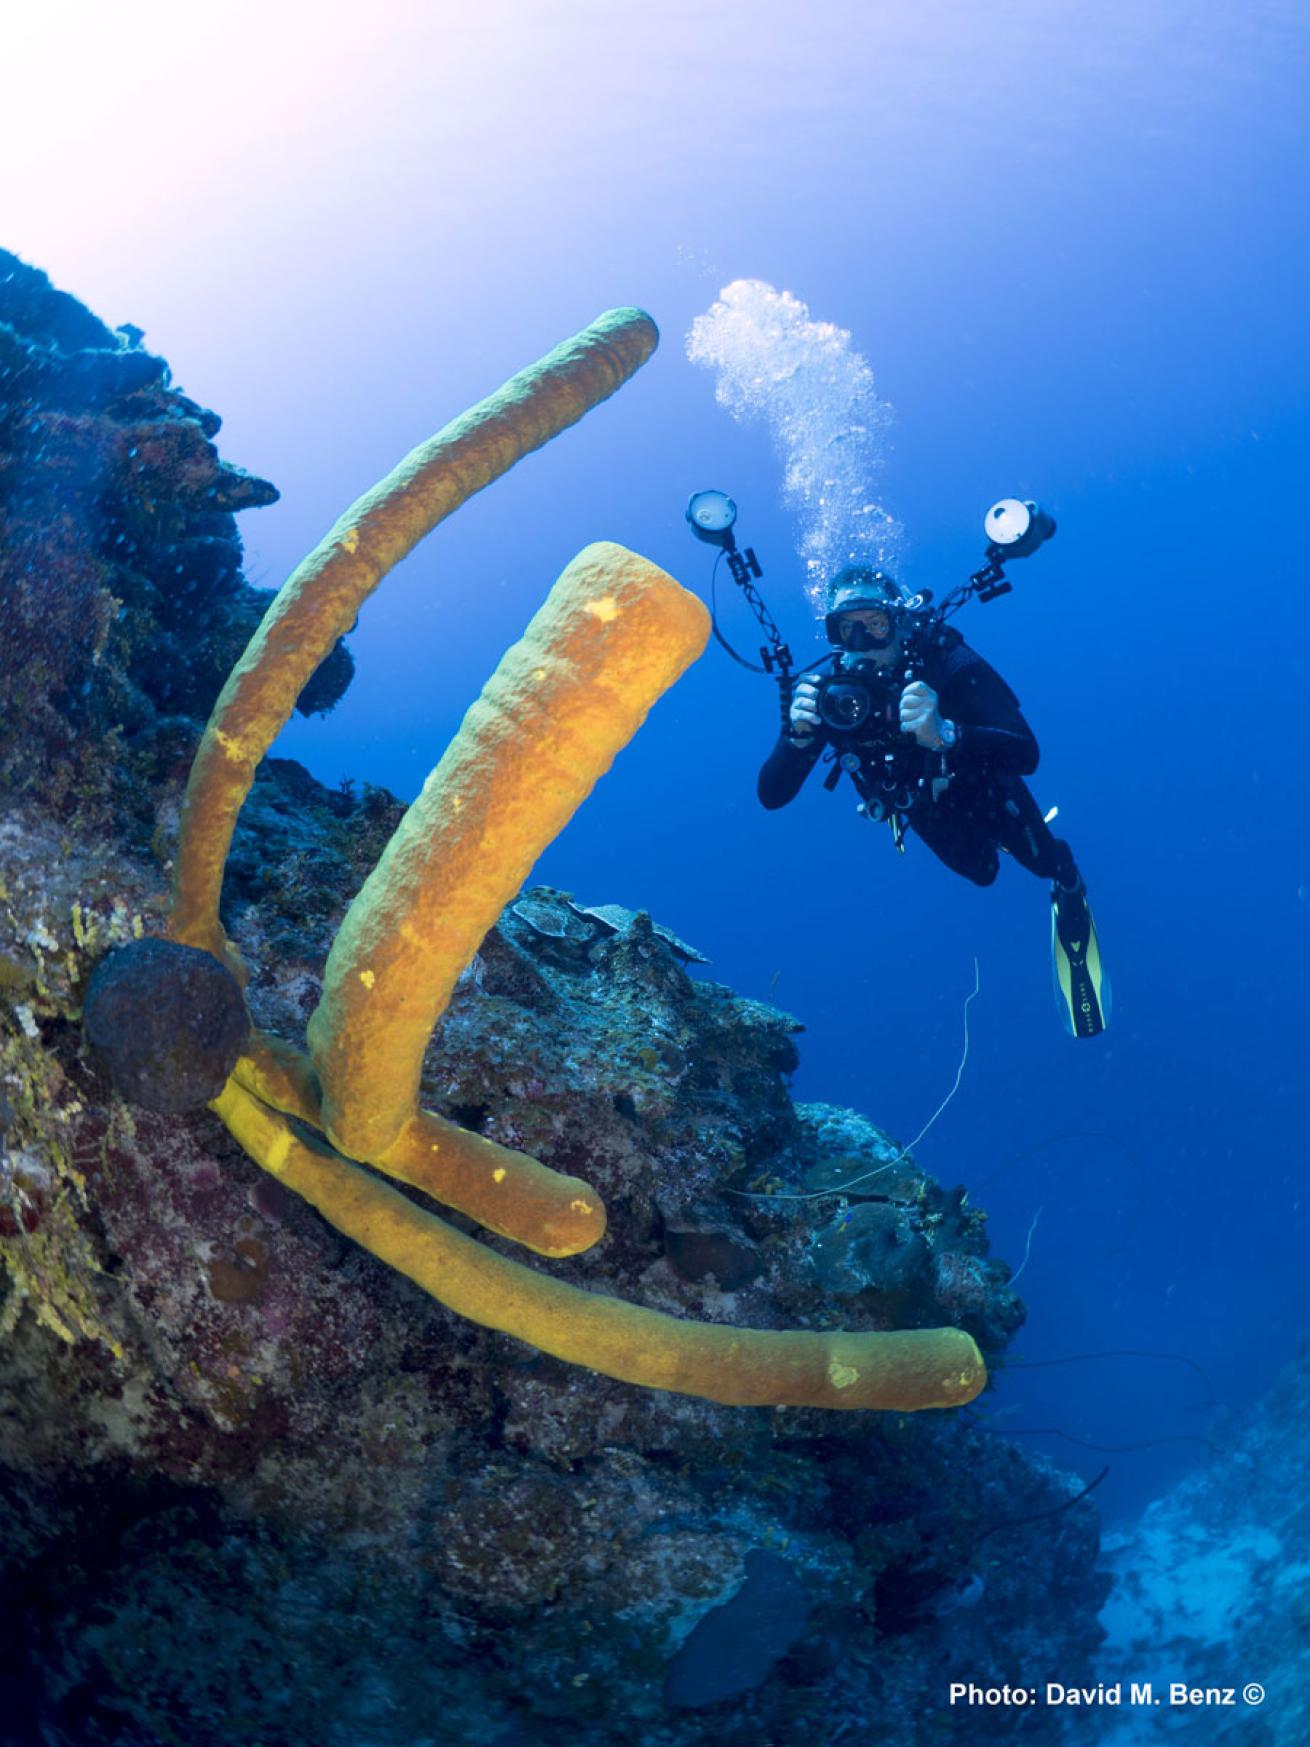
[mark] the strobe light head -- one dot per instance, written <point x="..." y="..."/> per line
<point x="710" y="515"/>
<point x="1017" y="528"/>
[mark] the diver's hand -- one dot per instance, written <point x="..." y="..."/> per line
<point x="921" y="717"/>
<point x="804" y="715"/>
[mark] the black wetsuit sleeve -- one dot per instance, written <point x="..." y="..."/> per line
<point x="993" y="732"/>
<point x="785" y="769"/>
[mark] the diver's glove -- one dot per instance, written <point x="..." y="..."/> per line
<point x="921" y="716"/>
<point x="803" y="717"/>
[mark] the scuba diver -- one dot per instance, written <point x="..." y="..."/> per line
<point x="935" y="743"/>
<point x="931" y="736"/>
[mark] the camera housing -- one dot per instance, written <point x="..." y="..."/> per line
<point x="861" y="702"/>
<point x="844" y="703"/>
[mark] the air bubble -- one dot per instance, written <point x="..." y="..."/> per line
<point x="816" y="394"/>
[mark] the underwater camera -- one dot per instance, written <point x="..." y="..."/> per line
<point x="844" y="703"/>
<point x="855" y="702"/>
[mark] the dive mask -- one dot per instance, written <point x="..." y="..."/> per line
<point x="861" y="637"/>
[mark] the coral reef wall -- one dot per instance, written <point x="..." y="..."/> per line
<point x="122" y="599"/>
<point x="243" y="1465"/>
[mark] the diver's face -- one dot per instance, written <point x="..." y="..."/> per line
<point x="868" y="631"/>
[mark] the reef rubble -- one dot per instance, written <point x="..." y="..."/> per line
<point x="242" y="1463"/>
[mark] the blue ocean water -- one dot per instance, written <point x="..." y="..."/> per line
<point x="1069" y="243"/>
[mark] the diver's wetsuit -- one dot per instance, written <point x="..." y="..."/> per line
<point x="986" y="806"/>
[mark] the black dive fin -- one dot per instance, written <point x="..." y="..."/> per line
<point x="1082" y="988"/>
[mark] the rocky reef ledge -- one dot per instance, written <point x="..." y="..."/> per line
<point x="1212" y="1590"/>
<point x="254" y="1485"/>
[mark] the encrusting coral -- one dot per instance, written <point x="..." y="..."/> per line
<point x="613" y="635"/>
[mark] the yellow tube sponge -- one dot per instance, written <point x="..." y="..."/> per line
<point x="613" y="634"/>
<point x="900" y="1371"/>
<point x="320" y="601"/>
<point x="505" y="1191"/>
<point x="508" y="1192"/>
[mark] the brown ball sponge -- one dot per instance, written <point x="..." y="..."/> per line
<point x="166" y="1023"/>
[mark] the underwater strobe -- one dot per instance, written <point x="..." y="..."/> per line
<point x="710" y="516"/>
<point x="1015" y="528"/>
